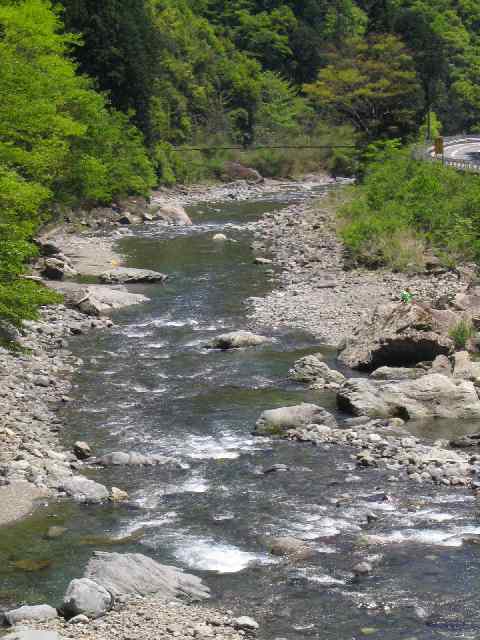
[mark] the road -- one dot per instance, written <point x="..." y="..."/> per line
<point x="463" y="151"/>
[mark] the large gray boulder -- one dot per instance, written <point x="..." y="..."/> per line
<point x="279" y="421"/>
<point x="84" y="490"/>
<point x="312" y="369"/>
<point x="171" y="214"/>
<point x="136" y="574"/>
<point x="237" y="340"/>
<point x="97" y="300"/>
<point x="38" y="613"/>
<point x="125" y="275"/>
<point x="400" y="335"/>
<point x="86" y="597"/>
<point x="132" y="458"/>
<point x="431" y="396"/>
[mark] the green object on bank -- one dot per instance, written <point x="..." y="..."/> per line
<point x="406" y="297"/>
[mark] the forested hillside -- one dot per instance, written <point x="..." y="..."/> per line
<point x="95" y="95"/>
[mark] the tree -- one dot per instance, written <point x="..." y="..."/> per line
<point x="372" y="84"/>
<point x="118" y="50"/>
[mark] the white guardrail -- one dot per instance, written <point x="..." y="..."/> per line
<point x="427" y="152"/>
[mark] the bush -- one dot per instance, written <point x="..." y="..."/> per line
<point x="405" y="207"/>
<point x="461" y="333"/>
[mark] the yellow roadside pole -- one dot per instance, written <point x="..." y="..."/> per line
<point x="440" y="148"/>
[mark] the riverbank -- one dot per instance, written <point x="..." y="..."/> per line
<point x="317" y="291"/>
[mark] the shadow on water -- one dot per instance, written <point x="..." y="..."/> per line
<point x="151" y="386"/>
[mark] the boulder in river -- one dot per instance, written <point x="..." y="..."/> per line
<point x="84" y="490"/>
<point x="132" y="458"/>
<point x="125" y="275"/>
<point x="237" y="340"/>
<point x="312" y="369"/>
<point x="431" y="396"/>
<point x="171" y="214"/>
<point x="279" y="421"/>
<point x="37" y="613"/>
<point x="82" y="450"/>
<point x="291" y="548"/>
<point x="136" y="574"/>
<point x="87" y="597"/>
<point x="400" y="335"/>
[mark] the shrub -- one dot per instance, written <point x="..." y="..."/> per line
<point x="461" y="333"/>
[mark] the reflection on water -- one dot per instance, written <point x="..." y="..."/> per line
<point x="151" y="386"/>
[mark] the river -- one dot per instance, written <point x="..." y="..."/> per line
<point x="149" y="385"/>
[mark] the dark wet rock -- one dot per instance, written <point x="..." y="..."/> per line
<point x="82" y="450"/>
<point x="171" y="214"/>
<point x="136" y="574"/>
<point x="84" y="490"/>
<point x="127" y="219"/>
<point x="47" y="247"/>
<point x="57" y="268"/>
<point x="86" y="597"/>
<point x="124" y="275"/>
<point x="132" y="458"/>
<point x="291" y="548"/>
<point x="279" y="421"/>
<point x="37" y="613"/>
<point x="237" y="340"/>
<point x="467" y="441"/>
<point x="398" y="335"/>
<point x="431" y="396"/>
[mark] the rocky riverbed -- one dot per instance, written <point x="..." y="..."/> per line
<point x="317" y="291"/>
<point x="217" y="380"/>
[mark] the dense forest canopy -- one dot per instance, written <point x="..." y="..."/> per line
<point x="95" y="95"/>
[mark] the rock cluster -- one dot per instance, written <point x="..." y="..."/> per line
<point x="31" y="382"/>
<point x="129" y="596"/>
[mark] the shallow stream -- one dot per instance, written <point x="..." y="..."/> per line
<point x="151" y="386"/>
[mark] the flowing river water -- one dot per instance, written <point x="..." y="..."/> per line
<point x="149" y="385"/>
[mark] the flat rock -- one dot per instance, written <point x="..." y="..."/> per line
<point x="125" y="275"/>
<point x="237" y="340"/>
<point x="279" y="421"/>
<point x="84" y="490"/>
<point x="132" y="458"/>
<point x="431" y="396"/>
<point x="86" y="597"/>
<point x="97" y="300"/>
<point x="38" y="613"/>
<point x="136" y="574"/>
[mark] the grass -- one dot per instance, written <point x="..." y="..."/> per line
<point x="461" y="333"/>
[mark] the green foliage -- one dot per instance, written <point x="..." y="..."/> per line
<point x="371" y="84"/>
<point x="415" y="206"/>
<point x="58" y="141"/>
<point x="461" y="333"/>
<point x="118" y="50"/>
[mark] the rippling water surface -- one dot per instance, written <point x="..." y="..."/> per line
<point x="151" y="386"/>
